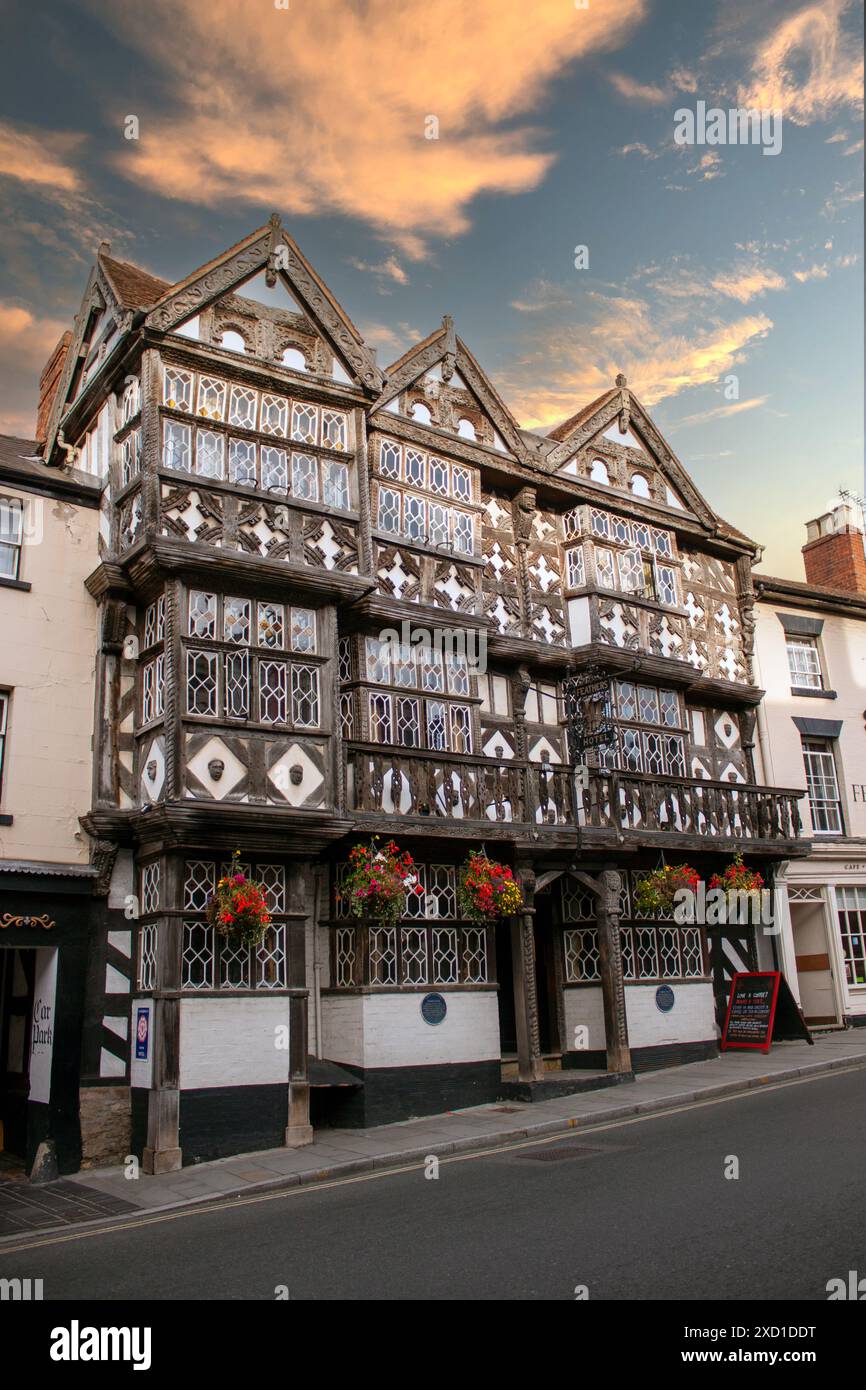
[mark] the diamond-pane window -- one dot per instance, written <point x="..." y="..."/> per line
<point x="408" y="722"/>
<point x="209" y="454"/>
<point x="305" y="420"/>
<point x="176" y="445"/>
<point x="626" y="700"/>
<point x="675" y="755"/>
<point x="445" y="960"/>
<point x="177" y="389"/>
<point x="154" y="622"/>
<point x="303" y="630"/>
<point x="670" y="708"/>
<point x="383" y="956"/>
<point x="333" y="429"/>
<point x="414" y="956"/>
<point x="150" y="888"/>
<point x="271" y="625"/>
<point x="389" y="459"/>
<point x="243" y="405"/>
<point x="147" y="956"/>
<point x="389" y="510"/>
<point x="236" y="671"/>
<point x="605" y="570"/>
<point x="201" y="682"/>
<point x="198" y="884"/>
<point x="404" y="666"/>
<point x="461" y="729"/>
<point x="461" y="483"/>
<point x="344" y="954"/>
<point x="335" y="484"/>
<point x="380" y="718"/>
<point x="599" y="523"/>
<point x="437" y="729"/>
<point x="458" y="674"/>
<point x="662" y="543"/>
<point x="344" y="656"/>
<point x="648" y="704"/>
<point x="275" y="469"/>
<point x="199" y="942"/>
<point x="416" y="467"/>
<point x="378" y="661"/>
<point x="642" y="535"/>
<point x="439" y="524"/>
<point x="414" y="517"/>
<point x="148" y="692"/>
<point x="439" y="476"/>
<point x="211" y="398"/>
<point x="273" y="687"/>
<point x="572" y="523"/>
<point x="653" y="752"/>
<point x="130" y="461"/>
<point x="234" y="965"/>
<point x="575" y="568"/>
<point x="347" y="714"/>
<point x="440" y="899"/>
<point x="275" y="415"/>
<point x="305" y="478"/>
<point x="463" y="533"/>
<point x="305" y="697"/>
<point x="202" y="614"/>
<point x="242" y="461"/>
<point x="666" y="585"/>
<point x="271" y="958"/>
<point x="432" y="669"/>
<point x="236" y="620"/>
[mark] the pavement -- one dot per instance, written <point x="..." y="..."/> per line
<point x="97" y="1195"/>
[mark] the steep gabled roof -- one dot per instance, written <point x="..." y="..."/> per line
<point x="135" y="288"/>
<point x="562" y="431"/>
<point x="270" y="248"/>
<point x="443" y="346"/>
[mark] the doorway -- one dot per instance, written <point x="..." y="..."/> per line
<point x="17" y="988"/>
<point x="546" y="982"/>
<point x="814" y="964"/>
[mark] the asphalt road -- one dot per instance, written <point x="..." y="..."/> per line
<point x="638" y="1210"/>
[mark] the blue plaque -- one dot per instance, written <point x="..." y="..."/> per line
<point x="665" y="998"/>
<point x="433" y="1008"/>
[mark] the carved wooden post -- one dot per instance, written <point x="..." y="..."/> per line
<point x="612" y="986"/>
<point x="162" y="1152"/>
<point x="529" y="1063"/>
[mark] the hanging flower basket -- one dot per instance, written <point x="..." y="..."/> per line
<point x="655" y="892"/>
<point x="488" y="891"/>
<point x="238" y="910"/>
<point x="738" y="879"/>
<point x="379" y="881"/>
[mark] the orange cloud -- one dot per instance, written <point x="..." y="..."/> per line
<point x="322" y="108"/>
<point x="808" y="67"/>
<point x="561" y="369"/>
<point x="39" y="157"/>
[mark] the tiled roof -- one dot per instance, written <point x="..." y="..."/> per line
<point x="20" y="460"/>
<point x="135" y="288"/>
<point x="565" y="429"/>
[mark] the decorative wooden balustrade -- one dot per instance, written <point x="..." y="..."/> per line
<point x="459" y="787"/>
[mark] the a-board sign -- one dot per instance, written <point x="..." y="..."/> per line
<point x="761" y="1007"/>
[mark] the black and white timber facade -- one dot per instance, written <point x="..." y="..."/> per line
<point x="273" y="501"/>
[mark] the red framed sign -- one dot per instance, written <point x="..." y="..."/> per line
<point x="751" y="1010"/>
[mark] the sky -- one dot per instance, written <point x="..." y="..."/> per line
<point x="439" y="156"/>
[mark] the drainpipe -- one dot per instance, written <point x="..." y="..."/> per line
<point x="317" y="964"/>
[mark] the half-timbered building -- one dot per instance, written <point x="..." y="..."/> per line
<point x="273" y="504"/>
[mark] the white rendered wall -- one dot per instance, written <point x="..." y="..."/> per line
<point x="232" y="1042"/>
<point x="692" y="1019"/>
<point x="387" y="1030"/>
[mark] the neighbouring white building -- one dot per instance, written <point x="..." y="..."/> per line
<point x="811" y="661"/>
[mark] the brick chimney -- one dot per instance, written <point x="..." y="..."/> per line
<point x="833" y="554"/>
<point x="48" y="384"/>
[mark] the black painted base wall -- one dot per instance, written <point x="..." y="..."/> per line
<point x="646" y="1058"/>
<point x="400" y="1093"/>
<point x="215" y="1123"/>
<point x="855" y="1020"/>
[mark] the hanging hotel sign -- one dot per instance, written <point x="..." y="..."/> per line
<point x="10" y="920"/>
<point x="586" y="698"/>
